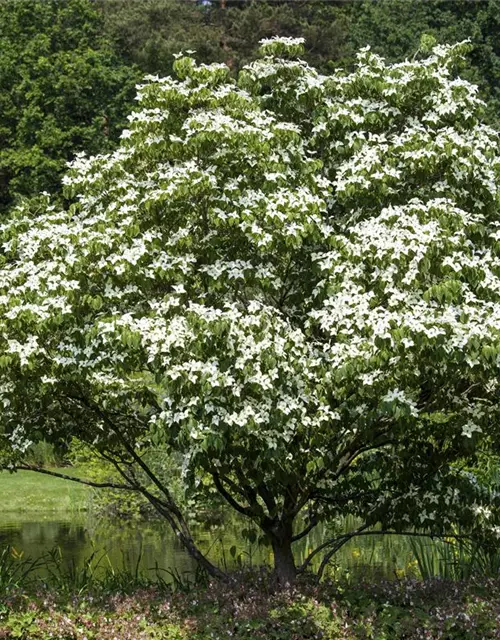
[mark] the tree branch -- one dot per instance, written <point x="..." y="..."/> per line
<point x="344" y="464"/>
<point x="168" y="508"/>
<point x="347" y="463"/>
<point x="246" y="511"/>
<point x="130" y="450"/>
<point x="268" y="498"/>
<point x="63" y="476"/>
<point x="132" y="479"/>
<point x="328" y="543"/>
<point x="314" y="521"/>
<point x="177" y="523"/>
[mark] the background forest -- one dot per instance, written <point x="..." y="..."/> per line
<point x="68" y="68"/>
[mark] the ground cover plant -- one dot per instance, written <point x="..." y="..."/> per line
<point x="288" y="279"/>
<point x="248" y="608"/>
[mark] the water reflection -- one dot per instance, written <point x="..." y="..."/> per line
<point x="151" y="544"/>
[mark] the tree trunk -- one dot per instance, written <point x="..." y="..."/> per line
<point x="285" y="570"/>
<point x="204" y="562"/>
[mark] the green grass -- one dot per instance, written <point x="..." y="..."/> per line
<point x="30" y="492"/>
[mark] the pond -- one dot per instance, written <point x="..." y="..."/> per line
<point x="151" y="547"/>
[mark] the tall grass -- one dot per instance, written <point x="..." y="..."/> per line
<point x="463" y="558"/>
<point x="95" y="574"/>
<point x="454" y="559"/>
<point x="15" y="570"/>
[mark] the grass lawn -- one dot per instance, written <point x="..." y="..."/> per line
<point x="30" y="492"/>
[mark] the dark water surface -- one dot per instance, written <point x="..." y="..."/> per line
<point x="151" y="545"/>
<point x="111" y="543"/>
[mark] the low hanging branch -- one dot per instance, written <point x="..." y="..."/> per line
<point x="246" y="511"/>
<point x="64" y="476"/>
<point x="313" y="522"/>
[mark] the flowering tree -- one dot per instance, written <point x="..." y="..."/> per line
<point x="291" y="279"/>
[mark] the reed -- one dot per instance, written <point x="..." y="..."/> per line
<point x="453" y="559"/>
<point x="16" y="572"/>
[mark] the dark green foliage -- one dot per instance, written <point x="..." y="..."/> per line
<point x="324" y="26"/>
<point x="63" y="89"/>
<point x="149" y="32"/>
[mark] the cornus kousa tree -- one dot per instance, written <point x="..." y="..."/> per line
<point x="292" y="281"/>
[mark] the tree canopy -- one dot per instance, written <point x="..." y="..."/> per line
<point x="291" y="279"/>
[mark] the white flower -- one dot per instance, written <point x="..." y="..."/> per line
<point x="469" y="428"/>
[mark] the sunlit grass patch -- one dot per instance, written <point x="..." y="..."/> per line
<point x="29" y="492"/>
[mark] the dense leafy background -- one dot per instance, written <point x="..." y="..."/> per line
<point x="64" y="89"/>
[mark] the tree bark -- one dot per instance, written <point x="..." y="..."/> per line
<point x="285" y="570"/>
<point x="203" y="561"/>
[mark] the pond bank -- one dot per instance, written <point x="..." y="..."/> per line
<point x="40" y="513"/>
<point x="248" y="609"/>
